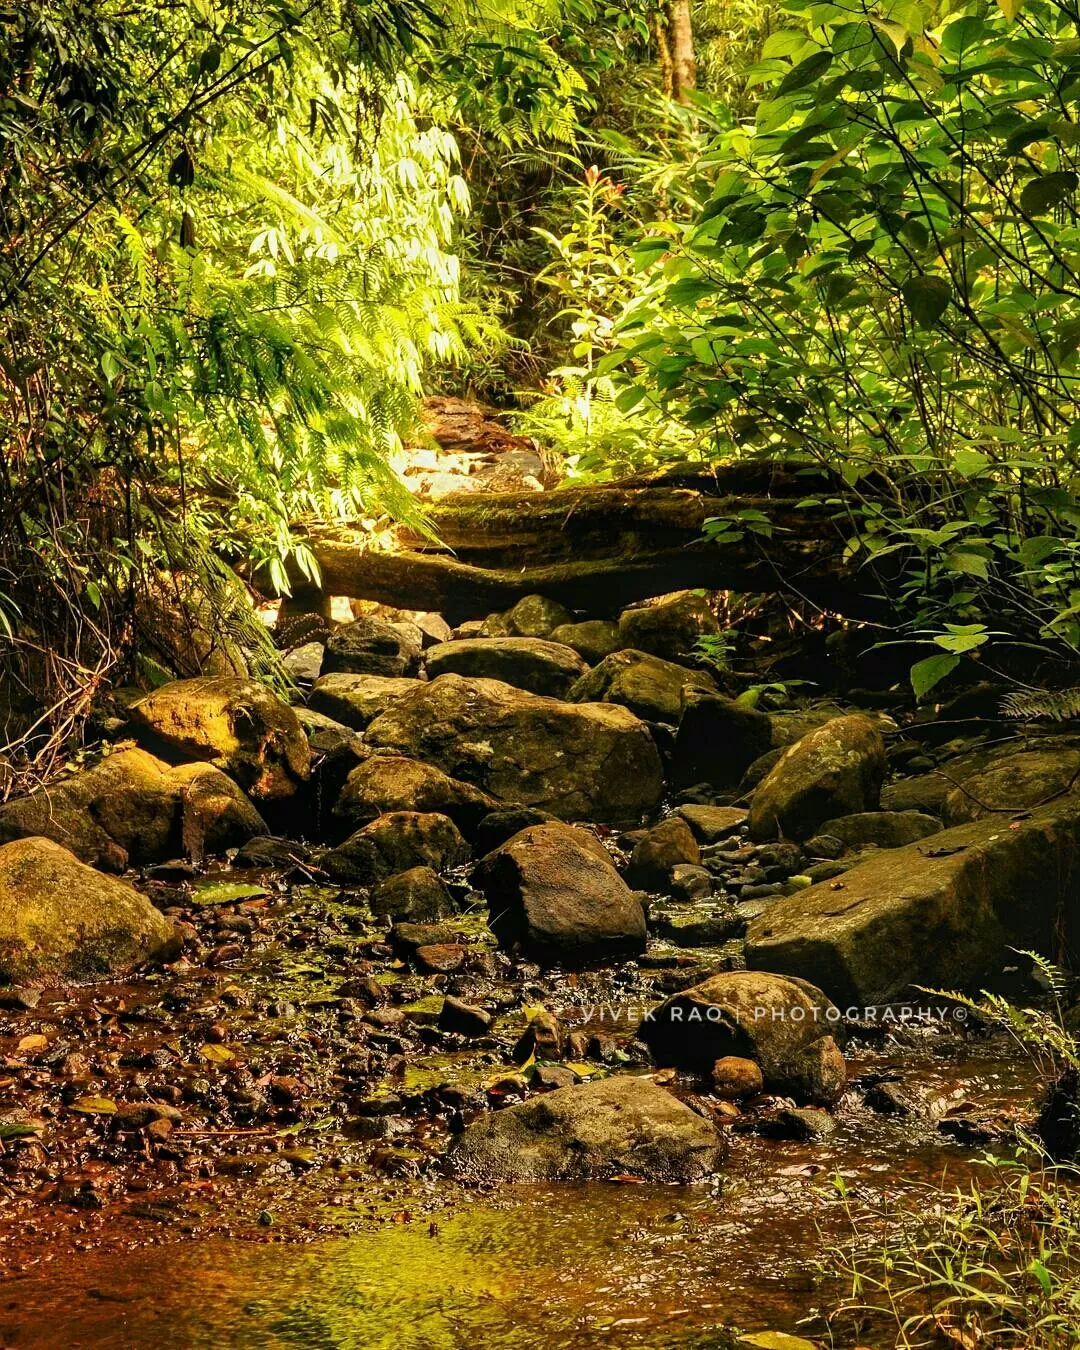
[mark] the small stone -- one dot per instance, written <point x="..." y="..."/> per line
<point x="553" y="1076"/>
<point x="542" y="1038"/>
<point x="442" y="958"/>
<point x="801" y="1123"/>
<point x="463" y="1019"/>
<point x="734" y="1078"/>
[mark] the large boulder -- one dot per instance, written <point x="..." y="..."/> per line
<point x="589" y="761"/>
<point x="417" y="895"/>
<point x="834" y="771"/>
<point x="239" y="725"/>
<point x="1012" y="783"/>
<point x="370" y="646"/>
<point x="592" y="639"/>
<point x="133" y="808"/>
<point x="882" y="829"/>
<point x="386" y="783"/>
<point x="525" y="662"/>
<point x="717" y="741"/>
<point x="668" y="626"/>
<point x="785" y="1026"/>
<point x="591" y="1132"/>
<point x="356" y="700"/>
<point x="395" y="843"/>
<point x="61" y="920"/>
<point x="652" y="688"/>
<point x="553" y="891"/>
<point x="940" y="914"/>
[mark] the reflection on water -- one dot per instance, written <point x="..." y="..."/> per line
<point x="602" y="1265"/>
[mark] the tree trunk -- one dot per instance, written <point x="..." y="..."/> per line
<point x="680" y="44"/>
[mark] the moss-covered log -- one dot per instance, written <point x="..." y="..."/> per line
<point x="601" y="546"/>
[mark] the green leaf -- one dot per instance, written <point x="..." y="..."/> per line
<point x="932" y="670"/>
<point x="226" y="892"/>
<point x="928" y="298"/>
<point x="969" y="463"/>
<point x="777" y="1340"/>
<point x="1047" y="191"/>
<point x="804" y="73"/>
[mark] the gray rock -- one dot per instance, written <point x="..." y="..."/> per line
<point x="937" y="914"/>
<point x="591" y="1132"/>
<point x="711" y="824"/>
<point x="370" y="646"/>
<point x="385" y="783"/>
<point x="304" y="664"/>
<point x="885" y="829"/>
<point x="463" y="1019"/>
<point x="526" y="663"/>
<point x="655" y="858"/>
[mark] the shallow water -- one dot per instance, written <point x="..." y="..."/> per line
<point x="431" y="1265"/>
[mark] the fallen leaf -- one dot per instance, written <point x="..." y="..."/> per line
<point x="777" y="1340"/>
<point x="94" y="1106"/>
<point x="226" y="892"/>
<point x="29" y="1044"/>
<point x="217" y="1054"/>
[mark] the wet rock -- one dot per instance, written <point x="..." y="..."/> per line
<point x="883" y="829"/>
<point x="394" y="843"/>
<point x="583" y="762"/>
<point x="801" y="1124"/>
<point x="553" y="891"/>
<point x="940" y="913"/>
<point x="441" y="958"/>
<point x="60" y="920"/>
<point x="590" y="1132"/>
<point x="542" y="1038"/>
<point x="463" y="1019"/>
<point x="501" y="825"/>
<point x="304" y="664"/>
<point x="669" y="626"/>
<point x="659" y="853"/>
<point x="552" y="1076"/>
<point x="734" y="1079"/>
<point x="711" y="824"/>
<point x="417" y="895"/>
<point x="356" y="700"/>
<point x="700" y="930"/>
<point x="386" y="783"/>
<point x="593" y="639"/>
<point x="134" y="808"/>
<point x="717" y="740"/>
<point x="535" y="616"/>
<point x="754" y="1015"/>
<point x="524" y="662"/>
<point x="1014" y="783"/>
<point x="653" y="689"/>
<point x="271" y="851"/>
<point x="236" y="724"/>
<point x="690" y="882"/>
<point x="924" y="792"/>
<point x="836" y="770"/>
<point x="370" y="646"/>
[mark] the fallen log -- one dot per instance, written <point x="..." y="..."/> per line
<point x="599" y="547"/>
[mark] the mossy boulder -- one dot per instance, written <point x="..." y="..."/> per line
<point x="882" y="829"/>
<point x="525" y="662"/>
<point x="395" y="843"/>
<point x="592" y="1132"/>
<point x="652" y="688"/>
<point x="417" y="895"/>
<point x="62" y="921"/>
<point x="535" y="616"/>
<point x="589" y="761"/>
<point x="592" y="639"/>
<point x="133" y="808"/>
<point x="668" y="626"/>
<point x="1013" y="783"/>
<point x="356" y="700"/>
<point x="239" y="725"/>
<point x="386" y="783"/>
<point x="718" y="739"/>
<point x="836" y="770"/>
<point x="942" y="913"/>
<point x="786" y="1026"/>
